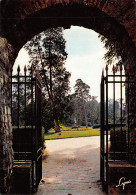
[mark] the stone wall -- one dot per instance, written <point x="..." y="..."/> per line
<point x="132" y="115"/>
<point x="121" y="10"/>
<point x="6" y="152"/>
<point x="114" y="19"/>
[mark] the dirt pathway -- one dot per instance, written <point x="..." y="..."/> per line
<point x="72" y="167"/>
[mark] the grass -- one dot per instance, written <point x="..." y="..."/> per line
<point x="69" y="133"/>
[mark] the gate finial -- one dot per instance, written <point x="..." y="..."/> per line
<point x="18" y="69"/>
<point x="121" y="68"/>
<point x="113" y="69"/>
<point x="106" y="68"/>
<point x="25" y="69"/>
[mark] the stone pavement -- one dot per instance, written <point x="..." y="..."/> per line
<point x="72" y="167"/>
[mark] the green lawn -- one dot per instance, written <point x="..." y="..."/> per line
<point x="69" y="134"/>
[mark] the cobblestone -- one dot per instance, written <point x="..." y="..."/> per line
<point x="72" y="167"/>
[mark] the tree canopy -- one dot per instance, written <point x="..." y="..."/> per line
<point x="112" y="55"/>
<point x="48" y="55"/>
<point x="81" y="96"/>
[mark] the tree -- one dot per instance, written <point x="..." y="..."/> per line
<point x="47" y="115"/>
<point x="93" y="109"/>
<point x="86" y="107"/>
<point x="48" y="55"/>
<point x="112" y="54"/>
<point x="82" y="93"/>
<point x="114" y="108"/>
<point x="77" y="117"/>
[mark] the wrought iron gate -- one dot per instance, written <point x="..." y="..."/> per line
<point x="26" y="121"/>
<point x="115" y="120"/>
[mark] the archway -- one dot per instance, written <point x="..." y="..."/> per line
<point x="21" y="20"/>
<point x="64" y="16"/>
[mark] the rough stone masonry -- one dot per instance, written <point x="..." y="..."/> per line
<point x="6" y="153"/>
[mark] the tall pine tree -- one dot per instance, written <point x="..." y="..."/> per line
<point x="48" y="55"/>
<point x="82" y="94"/>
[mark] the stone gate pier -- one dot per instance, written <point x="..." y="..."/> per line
<point x="6" y="152"/>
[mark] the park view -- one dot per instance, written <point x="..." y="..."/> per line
<point x="70" y="84"/>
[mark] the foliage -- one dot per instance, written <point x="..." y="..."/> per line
<point x="48" y="55"/>
<point x="112" y="54"/>
<point x="117" y="111"/>
<point x="47" y="115"/>
<point x="82" y="90"/>
<point x="80" y="97"/>
<point x="62" y="127"/>
<point x="77" y="118"/>
<point x="93" y="111"/>
<point x="89" y="106"/>
<point x="118" y="143"/>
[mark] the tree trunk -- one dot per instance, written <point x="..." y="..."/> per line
<point x="57" y="127"/>
<point x="85" y="112"/>
<point x="49" y="87"/>
<point x="56" y="123"/>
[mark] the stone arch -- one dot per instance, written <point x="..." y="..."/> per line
<point x="122" y="11"/>
<point x="23" y="19"/>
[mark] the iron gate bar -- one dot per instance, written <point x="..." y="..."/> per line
<point x="33" y="141"/>
<point x="36" y="136"/>
<point x="106" y="169"/>
<point x="128" y="111"/>
<point x="18" y="70"/>
<point x="11" y="71"/>
<point x="121" y="106"/>
<point x="25" y="104"/>
<point x="102" y="133"/>
<point x="114" y="118"/>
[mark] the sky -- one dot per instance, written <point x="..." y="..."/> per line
<point x="85" y="57"/>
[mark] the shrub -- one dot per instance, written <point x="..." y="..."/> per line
<point x="118" y="144"/>
<point x="96" y="126"/>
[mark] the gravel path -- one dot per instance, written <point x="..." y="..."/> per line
<point x="72" y="167"/>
